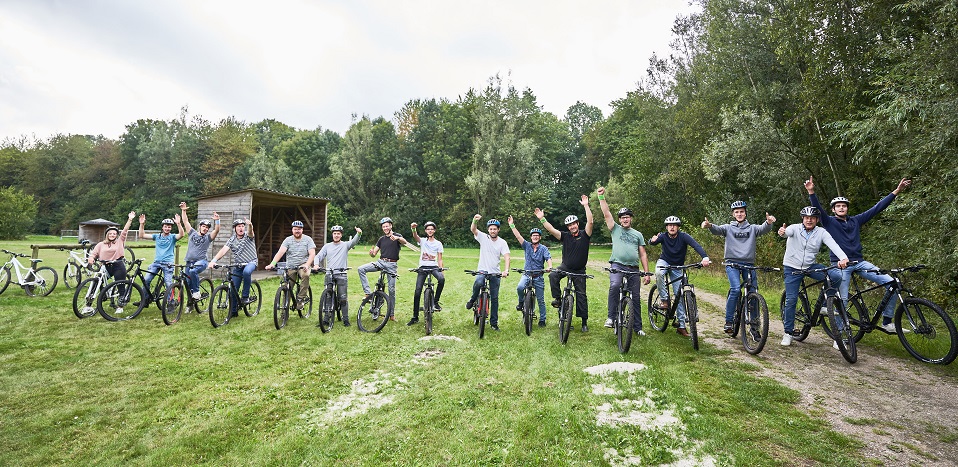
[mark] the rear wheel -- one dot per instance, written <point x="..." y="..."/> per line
<point x="220" y="306"/>
<point x="327" y="310"/>
<point x="255" y="300"/>
<point x="565" y="318"/>
<point x="371" y="316"/>
<point x="85" y="298"/>
<point x="129" y="257"/>
<point x="658" y="318"/>
<point x="623" y="328"/>
<point x="528" y="311"/>
<point x="926" y="331"/>
<point x="692" y="317"/>
<point x="841" y="327"/>
<point x="803" y="316"/>
<point x="859" y="317"/>
<point x="72" y="275"/>
<point x="173" y="304"/>
<point x="4" y="278"/>
<point x="281" y="307"/>
<point x="754" y="323"/>
<point x="121" y="300"/>
<point x="40" y="282"/>
<point x="206" y="296"/>
<point x="306" y="308"/>
<point x="483" y="312"/>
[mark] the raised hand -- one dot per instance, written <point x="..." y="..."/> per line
<point x="132" y="215"/>
<point x="216" y="216"/>
<point x="600" y="191"/>
<point x="584" y="200"/>
<point x="810" y="185"/>
<point x="769" y="218"/>
<point x="358" y="230"/>
<point x="142" y="218"/>
<point x="654" y="238"/>
<point x="904" y="183"/>
<point x="509" y="220"/>
<point x="781" y="230"/>
<point x="176" y="218"/>
<point x="476" y="218"/>
<point x="183" y="205"/>
<point x="539" y="213"/>
<point x="706" y="224"/>
<point x="413" y="226"/>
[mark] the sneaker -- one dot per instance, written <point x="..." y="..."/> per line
<point x="755" y="334"/>
<point x="663" y="305"/>
<point x="436" y="306"/>
<point x="609" y="323"/>
<point x="519" y="307"/>
<point x="585" y="328"/>
<point x="346" y="323"/>
<point x="787" y="340"/>
<point x="835" y="345"/>
<point x="640" y="332"/>
<point x="197" y="295"/>
<point x="495" y="327"/>
<point x="542" y="323"/>
<point x="119" y="310"/>
<point x="890" y="328"/>
<point x="555" y="303"/>
<point x="414" y="320"/>
<point x="682" y="332"/>
<point x="246" y="300"/>
<point x="470" y="304"/>
<point x="728" y="328"/>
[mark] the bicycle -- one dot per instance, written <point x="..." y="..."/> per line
<point x="625" y="318"/>
<point x="76" y="264"/>
<point x="480" y="309"/>
<point x="370" y="309"/>
<point x="113" y="301"/>
<point x="87" y="293"/>
<point x="34" y="281"/>
<point x="428" y="296"/>
<point x="567" y="304"/>
<point x="289" y="290"/>
<point x="835" y="317"/>
<point x="329" y="307"/>
<point x="659" y="319"/>
<point x="529" y="298"/>
<point x="157" y="294"/>
<point x="923" y="328"/>
<point x="226" y="294"/>
<point x="173" y="297"/>
<point x="751" y="311"/>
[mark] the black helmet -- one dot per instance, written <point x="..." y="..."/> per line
<point x="625" y="212"/>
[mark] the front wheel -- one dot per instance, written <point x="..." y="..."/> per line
<point x="305" y="309"/>
<point x="327" y="310"/>
<point x="85" y="298"/>
<point x="281" y="307"/>
<point x="255" y="300"/>
<point x="40" y="282"/>
<point x="528" y="310"/>
<point x="427" y="298"/>
<point x="483" y="312"/>
<point x="658" y="318"/>
<point x="692" y="317"/>
<point x="173" y="304"/>
<point x="926" y="331"/>
<point x="206" y="296"/>
<point x="841" y="328"/>
<point x="121" y="300"/>
<point x="72" y="274"/>
<point x="372" y="315"/>
<point x="565" y="318"/>
<point x="754" y="323"/>
<point x="4" y="278"/>
<point x="220" y="306"/>
<point x="623" y="328"/>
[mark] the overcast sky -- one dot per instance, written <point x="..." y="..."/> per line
<point x="94" y="66"/>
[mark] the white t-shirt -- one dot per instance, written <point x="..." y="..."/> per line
<point x="490" y="252"/>
<point x="429" y="252"/>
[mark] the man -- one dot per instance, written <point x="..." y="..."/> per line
<point x="336" y="256"/>
<point x="243" y="247"/>
<point x="299" y="250"/>
<point x="628" y="248"/>
<point x="491" y="249"/>
<point x="846" y="230"/>
<point x="199" y="247"/>
<point x="675" y="248"/>
<point x="537" y="257"/>
<point x="575" y="255"/>
<point x="804" y="242"/>
<point x="430" y="262"/>
<point x="740" y="240"/>
<point x="389" y="245"/>
<point x="165" y="250"/>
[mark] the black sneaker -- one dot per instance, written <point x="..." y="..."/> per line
<point x="728" y="328"/>
<point x="346" y="323"/>
<point x="414" y="320"/>
<point x="495" y="327"/>
<point x="436" y="306"/>
<point x="542" y="323"/>
<point x="519" y="307"/>
<point x="555" y="303"/>
<point x="585" y="328"/>
<point x="470" y="304"/>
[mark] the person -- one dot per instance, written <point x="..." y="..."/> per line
<point x="242" y="245"/>
<point x="198" y="247"/>
<point x="628" y="249"/>
<point x="803" y="242"/>
<point x="575" y="255"/>
<point x="740" y="240"/>
<point x="388" y="245"/>
<point x="492" y="248"/>
<point x="430" y="262"/>
<point x="537" y="257"/>
<point x="110" y="251"/>
<point x="299" y="250"/>
<point x="165" y="252"/>
<point x="335" y="255"/>
<point x="675" y="247"/>
<point x="846" y="230"/>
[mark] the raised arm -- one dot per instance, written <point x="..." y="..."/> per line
<point x="249" y="227"/>
<point x="584" y="201"/>
<point x="179" y="226"/>
<point x="473" y="227"/>
<point x="609" y="220"/>
<point x="141" y="233"/>
<point x="515" y="231"/>
<point x="216" y="226"/>
<point x="415" y="233"/>
<point x="185" y="217"/>
<point x="354" y="239"/>
<point x="129" y="221"/>
<point x="546" y="225"/>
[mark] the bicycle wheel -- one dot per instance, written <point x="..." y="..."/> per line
<point x="859" y="317"/>
<point x="692" y="317"/>
<point x="173" y="303"/>
<point x="220" y="306"/>
<point x="565" y="318"/>
<point x="483" y="310"/>
<point x="427" y="298"/>
<point x="129" y="258"/>
<point x="528" y="310"/>
<point x="40" y="282"/>
<point x="327" y="310"/>
<point x="623" y="328"/>
<point x="281" y="307"/>
<point x="121" y="300"/>
<point x="803" y="316"/>
<point x="737" y="317"/>
<point x="658" y="318"/>
<point x="72" y="274"/>
<point x="926" y="331"/>
<point x="4" y="278"/>
<point x="842" y="331"/>
<point x="255" y="300"/>
<point x="206" y="294"/>
<point x="754" y="323"/>
<point x="307" y="306"/>
<point x="372" y="316"/>
<point x="157" y="292"/>
<point x="85" y="298"/>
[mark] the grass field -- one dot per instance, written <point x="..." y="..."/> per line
<point x="88" y="391"/>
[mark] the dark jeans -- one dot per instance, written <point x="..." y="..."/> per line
<point x="581" y="302"/>
<point x="634" y="285"/>
<point x="420" y="280"/>
<point x="493" y="296"/>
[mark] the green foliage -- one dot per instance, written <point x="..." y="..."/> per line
<point x="17" y="213"/>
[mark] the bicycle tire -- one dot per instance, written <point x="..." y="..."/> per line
<point x="658" y="318"/>
<point x="932" y="337"/>
<point x="85" y="298"/>
<point x="220" y="306"/>
<point x="754" y="323"/>
<point x="156" y="292"/>
<point x="427" y="298"/>
<point x="256" y="300"/>
<point x="692" y="317"/>
<point x="623" y="324"/>
<point x="862" y="318"/>
<point x="483" y="310"/>
<point x="528" y="310"/>
<point x="281" y="307"/>
<point x="327" y="310"/>
<point x="565" y="318"/>
<point x="307" y="308"/>
<point x="173" y="304"/>
<point x="129" y="258"/>
<point x="116" y="306"/>
<point x="803" y="316"/>
<point x="72" y="275"/>
<point x="841" y="328"/>
<point x="737" y="316"/>
<point x="4" y="278"/>
<point x="40" y="282"/>
<point x="372" y="315"/>
<point x="206" y="293"/>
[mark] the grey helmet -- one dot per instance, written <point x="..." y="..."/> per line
<point x="838" y="199"/>
<point x="673" y="220"/>
<point x="809" y="211"/>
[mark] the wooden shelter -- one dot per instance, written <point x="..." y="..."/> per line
<point x="94" y="230"/>
<point x="270" y="212"/>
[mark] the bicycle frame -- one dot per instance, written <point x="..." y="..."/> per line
<point x="897" y="288"/>
<point x="15" y="265"/>
<point x="685" y="285"/>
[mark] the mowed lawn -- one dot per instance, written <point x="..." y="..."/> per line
<point x="91" y="392"/>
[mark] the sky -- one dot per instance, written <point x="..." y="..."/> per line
<point x="95" y="66"/>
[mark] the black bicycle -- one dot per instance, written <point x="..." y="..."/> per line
<point x="287" y="295"/>
<point x="330" y="309"/>
<point x="829" y="311"/>
<point x="371" y="308"/>
<point x="923" y="328"/>
<point x="567" y="304"/>
<point x="156" y="294"/>
<point x="625" y="315"/>
<point x="480" y="309"/>
<point x="178" y="296"/>
<point x="226" y="296"/>
<point x="428" y="296"/>
<point x="751" y="311"/>
<point x="660" y="318"/>
<point x="123" y="300"/>
<point x="529" y="297"/>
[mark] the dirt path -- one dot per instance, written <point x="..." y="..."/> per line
<point x="902" y="410"/>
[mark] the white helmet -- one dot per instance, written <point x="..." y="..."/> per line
<point x="673" y="220"/>
<point x="571" y="219"/>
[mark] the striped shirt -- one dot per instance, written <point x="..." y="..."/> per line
<point x="243" y="249"/>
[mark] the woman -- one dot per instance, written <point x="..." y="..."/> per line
<point x="110" y="250"/>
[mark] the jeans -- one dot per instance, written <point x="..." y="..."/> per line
<point x="634" y="286"/>
<point x="242" y="274"/>
<point x="539" y="284"/>
<point x="193" y="270"/>
<point x="793" y="282"/>
<point x="151" y="271"/>
<point x="341" y="282"/>
<point x="736" y="279"/>
<point x="581" y="301"/>
<point x="493" y="296"/>
<point x="303" y="282"/>
<point x="664" y="276"/>
<point x="420" y="280"/>
<point x="380" y="265"/>
<point x="862" y="269"/>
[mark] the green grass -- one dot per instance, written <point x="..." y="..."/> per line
<point x="138" y="392"/>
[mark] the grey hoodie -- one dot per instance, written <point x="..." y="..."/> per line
<point x="740" y="239"/>
<point x="800" y="250"/>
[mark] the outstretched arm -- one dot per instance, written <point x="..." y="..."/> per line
<point x="515" y="231"/>
<point x="473" y="226"/>
<point x="185" y="217"/>
<point x="546" y="225"/>
<point x="216" y="226"/>
<point x="584" y="201"/>
<point x="141" y="232"/>
<point x="609" y="221"/>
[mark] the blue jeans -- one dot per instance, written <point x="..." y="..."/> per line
<point x="861" y="269"/>
<point x="151" y="271"/>
<point x="193" y="270"/>
<point x="379" y="265"/>
<point x="793" y="282"/>
<point x="634" y="284"/>
<point x="493" y="296"/>
<point x="660" y="281"/>
<point x="737" y="277"/>
<point x="243" y="274"/>
<point x="539" y="284"/>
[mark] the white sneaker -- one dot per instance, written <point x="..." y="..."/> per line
<point x="835" y="345"/>
<point x="787" y="340"/>
<point x="609" y="323"/>
<point x="119" y="310"/>
<point x="640" y="332"/>
<point x="197" y="295"/>
<point x="890" y="328"/>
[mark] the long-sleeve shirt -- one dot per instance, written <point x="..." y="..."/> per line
<point x="802" y="245"/>
<point x="740" y="239"/>
<point x="675" y="249"/>
<point x="336" y="254"/>
<point x="110" y="252"/>
<point x="847" y="232"/>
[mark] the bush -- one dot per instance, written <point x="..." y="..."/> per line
<point x="18" y="210"/>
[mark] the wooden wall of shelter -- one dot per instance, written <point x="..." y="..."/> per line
<point x="270" y="212"/>
<point x="94" y="230"/>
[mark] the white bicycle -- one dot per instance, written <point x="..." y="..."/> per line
<point x="76" y="263"/>
<point x="35" y="281"/>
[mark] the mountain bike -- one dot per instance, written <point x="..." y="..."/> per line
<point x="226" y="299"/>
<point x="371" y="308"/>
<point x="288" y="294"/>
<point x="178" y="295"/>
<point x="76" y="264"/>
<point x="123" y="300"/>
<point x="428" y="295"/>
<point x="751" y="311"/>
<point x="829" y="311"/>
<point x="567" y="304"/>
<point x="87" y="293"/>
<point x="329" y="307"/>
<point x="156" y="294"/>
<point x="660" y="318"/>
<point x="529" y="298"/>
<point x="625" y="315"/>
<point x="480" y="309"/>
<point x="923" y="328"/>
<point x="34" y="281"/>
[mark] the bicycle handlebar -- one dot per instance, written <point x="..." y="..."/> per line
<point x="481" y="273"/>
<point x="428" y="269"/>
<point x="629" y="273"/>
<point x="330" y="270"/>
<point x="751" y="267"/>
<point x="531" y="271"/>
<point x="684" y="266"/>
<point x="17" y="255"/>
<point x="804" y="272"/>
<point x="576" y="274"/>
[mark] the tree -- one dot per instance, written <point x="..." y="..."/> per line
<point x="17" y="213"/>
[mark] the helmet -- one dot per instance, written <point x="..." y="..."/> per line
<point x="809" y="211"/>
<point x="430" y="223"/>
<point x="494" y="222"/>
<point x="738" y="204"/>
<point x="385" y="220"/>
<point x="571" y="219"/>
<point x="535" y="231"/>
<point x="206" y="222"/>
<point x="673" y="220"/>
<point x="168" y="221"/>
<point x="297" y="224"/>
<point x="625" y="212"/>
<point x="238" y="222"/>
<point x="336" y="228"/>
<point x="113" y="228"/>
<point x="839" y="199"/>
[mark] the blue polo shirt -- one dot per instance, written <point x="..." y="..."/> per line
<point x="536" y="257"/>
<point x="165" y="247"/>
